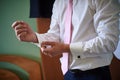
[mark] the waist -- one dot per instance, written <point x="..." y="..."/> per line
<point x="94" y="71"/>
<point x="90" y="62"/>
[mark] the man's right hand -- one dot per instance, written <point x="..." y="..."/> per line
<point x="24" y="32"/>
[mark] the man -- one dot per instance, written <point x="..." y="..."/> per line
<point x="94" y="38"/>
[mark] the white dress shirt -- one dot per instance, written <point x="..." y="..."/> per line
<point x="95" y="31"/>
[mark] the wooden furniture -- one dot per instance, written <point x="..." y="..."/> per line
<point x="115" y="69"/>
<point x="50" y="69"/>
<point x="19" y="68"/>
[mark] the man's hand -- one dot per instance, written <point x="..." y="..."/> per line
<point x="24" y="32"/>
<point x="54" y="48"/>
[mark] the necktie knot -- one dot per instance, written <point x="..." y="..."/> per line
<point x="70" y="1"/>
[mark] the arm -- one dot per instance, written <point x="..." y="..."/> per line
<point x="25" y="33"/>
<point x="53" y="32"/>
<point x="106" y="24"/>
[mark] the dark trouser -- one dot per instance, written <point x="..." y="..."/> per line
<point x="102" y="73"/>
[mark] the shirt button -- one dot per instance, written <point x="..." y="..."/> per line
<point x="78" y="56"/>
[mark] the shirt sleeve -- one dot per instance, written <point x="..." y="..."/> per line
<point x="106" y="22"/>
<point x="53" y="32"/>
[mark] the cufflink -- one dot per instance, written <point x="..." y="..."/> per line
<point x="78" y="56"/>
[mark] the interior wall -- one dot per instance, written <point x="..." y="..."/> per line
<point x="10" y="11"/>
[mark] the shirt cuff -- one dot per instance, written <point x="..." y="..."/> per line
<point x="37" y="44"/>
<point x="77" y="50"/>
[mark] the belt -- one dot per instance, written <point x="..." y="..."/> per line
<point x="96" y="70"/>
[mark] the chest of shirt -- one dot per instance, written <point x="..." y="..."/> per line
<point x="83" y="12"/>
<point x="82" y="18"/>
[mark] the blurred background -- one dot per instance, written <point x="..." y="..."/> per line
<point x="27" y="63"/>
<point x="18" y="60"/>
<point x="10" y="11"/>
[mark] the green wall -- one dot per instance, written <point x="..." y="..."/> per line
<point x="10" y="11"/>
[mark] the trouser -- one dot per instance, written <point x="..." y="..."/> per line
<point x="102" y="73"/>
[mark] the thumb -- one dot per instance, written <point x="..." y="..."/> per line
<point x="47" y="43"/>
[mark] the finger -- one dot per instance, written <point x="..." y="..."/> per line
<point x="21" y="31"/>
<point x="20" y="27"/>
<point x="21" y="36"/>
<point x="42" y="48"/>
<point x="17" y="23"/>
<point x="47" y="50"/>
<point x="45" y="53"/>
<point x="46" y="43"/>
<point x="50" y="55"/>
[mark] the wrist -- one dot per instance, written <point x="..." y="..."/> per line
<point x="66" y="48"/>
<point x="35" y="39"/>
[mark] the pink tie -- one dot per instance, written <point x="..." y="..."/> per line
<point x="67" y="36"/>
